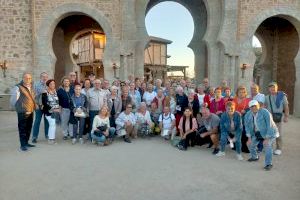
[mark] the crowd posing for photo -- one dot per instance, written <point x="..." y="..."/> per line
<point x="99" y="112"/>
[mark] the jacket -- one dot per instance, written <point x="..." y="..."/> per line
<point x="225" y="123"/>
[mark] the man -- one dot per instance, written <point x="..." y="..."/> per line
<point x="256" y="95"/>
<point x="96" y="99"/>
<point x="105" y="87"/>
<point x="73" y="81"/>
<point x="167" y="124"/>
<point x="208" y="132"/>
<point x="259" y="126"/>
<point x="277" y="103"/>
<point x="206" y="85"/>
<point x="23" y="100"/>
<point x="125" y="123"/>
<point x="39" y="88"/>
<point x="92" y="77"/>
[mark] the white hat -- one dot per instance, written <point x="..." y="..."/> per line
<point x="253" y="103"/>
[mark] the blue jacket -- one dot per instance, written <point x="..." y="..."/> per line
<point x="225" y="123"/>
<point x="265" y="124"/>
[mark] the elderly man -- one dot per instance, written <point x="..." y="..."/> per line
<point x="96" y="98"/>
<point x="277" y="103"/>
<point x="259" y="126"/>
<point x="39" y="88"/>
<point x="23" y="100"/>
<point x="256" y="95"/>
<point x="125" y="123"/>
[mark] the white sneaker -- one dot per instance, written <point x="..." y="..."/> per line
<point x="93" y="141"/>
<point x="73" y="140"/>
<point x="239" y="157"/>
<point x="81" y="141"/>
<point x="51" y="141"/>
<point x="231" y="143"/>
<point x="277" y="152"/>
<point x="220" y="154"/>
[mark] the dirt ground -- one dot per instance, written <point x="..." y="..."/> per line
<point x="145" y="169"/>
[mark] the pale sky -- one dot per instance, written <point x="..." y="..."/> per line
<point x="172" y="21"/>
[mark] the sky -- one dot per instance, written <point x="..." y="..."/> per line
<point x="172" y="21"/>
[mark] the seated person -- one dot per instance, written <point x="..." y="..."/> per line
<point x="125" y="123"/>
<point x="101" y="130"/>
<point x="231" y="130"/>
<point x="167" y="124"/>
<point x="154" y="113"/>
<point x="208" y="132"/>
<point x="187" y="127"/>
<point x="143" y="121"/>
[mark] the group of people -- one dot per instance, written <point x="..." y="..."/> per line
<point x="182" y="112"/>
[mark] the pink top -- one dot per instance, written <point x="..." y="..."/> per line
<point x="216" y="106"/>
<point x="187" y="124"/>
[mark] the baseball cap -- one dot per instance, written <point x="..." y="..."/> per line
<point x="253" y="103"/>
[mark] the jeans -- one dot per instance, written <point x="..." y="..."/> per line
<point x="111" y="134"/>
<point x="24" y="126"/>
<point x="81" y="122"/>
<point x="238" y="146"/>
<point x="65" y="117"/>
<point x="52" y="127"/>
<point x="37" y="122"/>
<point x="268" y="149"/>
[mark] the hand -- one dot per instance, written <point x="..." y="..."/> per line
<point x="248" y="141"/>
<point x="266" y="141"/>
<point x="285" y="119"/>
<point x="243" y="112"/>
<point x="203" y="135"/>
<point x="219" y="112"/>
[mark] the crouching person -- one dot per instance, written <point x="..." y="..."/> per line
<point x="259" y="126"/>
<point x="187" y="127"/>
<point x="167" y="123"/>
<point x="144" y="123"/>
<point x="209" y="131"/>
<point x="231" y="130"/>
<point x="125" y="123"/>
<point x="102" y="133"/>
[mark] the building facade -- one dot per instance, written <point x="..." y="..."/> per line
<point x="36" y="36"/>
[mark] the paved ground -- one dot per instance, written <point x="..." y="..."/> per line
<point x="145" y="169"/>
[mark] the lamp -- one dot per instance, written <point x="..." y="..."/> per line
<point x="243" y="68"/>
<point x="3" y="67"/>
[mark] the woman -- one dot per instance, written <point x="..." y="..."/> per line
<point x="149" y="95"/>
<point x="143" y="89"/>
<point x="159" y="100"/>
<point x="143" y="121"/>
<point x="102" y="133"/>
<point x="64" y="94"/>
<point x="181" y="103"/>
<point x="193" y="103"/>
<point x="170" y="100"/>
<point x="135" y="97"/>
<point x="227" y="95"/>
<point x="200" y="94"/>
<point x="78" y="113"/>
<point x="209" y="97"/>
<point x="51" y="109"/>
<point x="187" y="127"/>
<point x="126" y="99"/>
<point x="114" y="104"/>
<point x="231" y="130"/>
<point x="217" y="105"/>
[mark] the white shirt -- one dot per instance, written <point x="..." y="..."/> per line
<point x="98" y="121"/>
<point x="259" y="97"/>
<point x="148" y="97"/>
<point x="201" y="99"/>
<point x="166" y="120"/>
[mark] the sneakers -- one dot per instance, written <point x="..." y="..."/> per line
<point x="216" y="150"/>
<point x="180" y="147"/>
<point x="74" y="141"/>
<point x="268" y="167"/>
<point x="231" y="145"/>
<point x="30" y="145"/>
<point x="277" y="152"/>
<point x="34" y="140"/>
<point x="93" y="141"/>
<point x="81" y="141"/>
<point x="51" y="142"/>
<point x="252" y="159"/>
<point x="220" y="154"/>
<point x="23" y="148"/>
<point x="126" y="139"/>
<point x="239" y="157"/>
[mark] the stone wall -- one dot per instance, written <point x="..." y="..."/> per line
<point x="15" y="41"/>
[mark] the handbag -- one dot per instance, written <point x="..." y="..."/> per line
<point x="276" y="116"/>
<point x="80" y="113"/>
<point x="100" y="130"/>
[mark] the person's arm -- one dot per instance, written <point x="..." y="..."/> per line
<point x="133" y="122"/>
<point x="194" y="127"/>
<point x="15" y="94"/>
<point x="180" y="127"/>
<point x="160" y="121"/>
<point x="285" y="109"/>
<point x="95" y="124"/>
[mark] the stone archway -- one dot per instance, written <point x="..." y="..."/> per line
<point x="45" y="58"/>
<point x="292" y="16"/>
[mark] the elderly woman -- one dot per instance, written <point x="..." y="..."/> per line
<point x="149" y="95"/>
<point x="260" y="126"/>
<point x="200" y="93"/>
<point x="159" y="100"/>
<point x="125" y="123"/>
<point x="181" y="104"/>
<point x="143" y="121"/>
<point x="241" y="101"/>
<point x="114" y="104"/>
<point x="231" y="130"/>
<point x="193" y="103"/>
<point x="135" y="97"/>
<point x="209" y="97"/>
<point x="126" y="99"/>
<point x="217" y="105"/>
<point x="170" y="100"/>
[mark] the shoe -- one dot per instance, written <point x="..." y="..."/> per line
<point x="268" y="167"/>
<point x="277" y="152"/>
<point x="74" y="140"/>
<point x="81" y="141"/>
<point x="216" y="150"/>
<point x="34" y="141"/>
<point x="127" y="140"/>
<point x="253" y="159"/>
<point x="30" y="145"/>
<point x="231" y="145"/>
<point x="180" y="147"/>
<point x="23" y="148"/>
<point x="209" y="146"/>
<point x="65" y="137"/>
<point x="220" y="154"/>
<point x="51" y="142"/>
<point x="93" y="141"/>
<point x="239" y="157"/>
